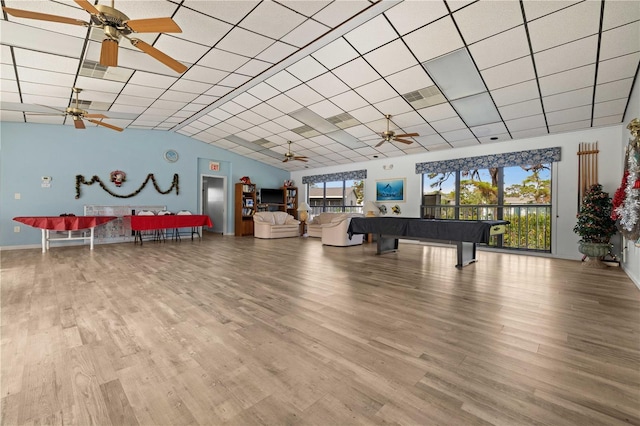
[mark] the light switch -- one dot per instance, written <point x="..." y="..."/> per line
<point x="16" y="229"/>
<point x="17" y="195"/>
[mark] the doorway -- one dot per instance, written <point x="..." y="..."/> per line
<point x="214" y="202"/>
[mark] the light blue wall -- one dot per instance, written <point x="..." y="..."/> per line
<point x="30" y="151"/>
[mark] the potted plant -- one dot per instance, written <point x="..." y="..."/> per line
<point x="595" y="225"/>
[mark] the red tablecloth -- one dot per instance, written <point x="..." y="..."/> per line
<point x="64" y="223"/>
<point x="147" y="223"/>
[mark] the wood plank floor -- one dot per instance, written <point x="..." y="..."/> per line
<point x="243" y="331"/>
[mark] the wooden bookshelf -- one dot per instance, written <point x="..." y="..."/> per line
<point x="291" y="200"/>
<point x="245" y="206"/>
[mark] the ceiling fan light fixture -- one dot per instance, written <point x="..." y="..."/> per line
<point x="109" y="53"/>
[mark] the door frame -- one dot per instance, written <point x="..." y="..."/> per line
<point x="224" y="198"/>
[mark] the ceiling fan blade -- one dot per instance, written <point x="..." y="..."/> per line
<point x="407" y="135"/>
<point x="285" y="160"/>
<point x="403" y="141"/>
<point x="110" y="126"/>
<point x="95" y="116"/>
<point x="162" y="57"/>
<point x="77" y="121"/>
<point x="154" y="25"/>
<point x="301" y="159"/>
<point x="88" y="7"/>
<point x="19" y="13"/>
<point x="109" y="53"/>
<point x="381" y="142"/>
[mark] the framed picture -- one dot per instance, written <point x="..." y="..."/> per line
<point x="390" y="190"/>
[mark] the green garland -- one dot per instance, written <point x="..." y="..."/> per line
<point x="80" y="180"/>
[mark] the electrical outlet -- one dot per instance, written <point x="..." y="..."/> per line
<point x="16" y="229"/>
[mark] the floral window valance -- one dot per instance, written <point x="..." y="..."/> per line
<point x="333" y="177"/>
<point x="509" y="159"/>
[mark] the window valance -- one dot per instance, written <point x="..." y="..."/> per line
<point x="333" y="177"/>
<point x="509" y="159"/>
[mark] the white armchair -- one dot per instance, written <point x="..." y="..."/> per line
<point x="335" y="232"/>
<point x="275" y="225"/>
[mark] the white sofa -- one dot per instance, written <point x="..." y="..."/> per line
<point x="334" y="233"/>
<point x="275" y="225"/>
<point x="314" y="227"/>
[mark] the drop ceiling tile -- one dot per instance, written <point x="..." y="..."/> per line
<point x="607" y="108"/>
<point x="618" y="13"/>
<point x="572" y="23"/>
<point x="45" y="61"/>
<point x="325" y="109"/>
<point x="46" y="90"/>
<point x="356" y="73"/>
<point x="328" y="85"/>
<point x="501" y="48"/>
<point x="306" y="69"/>
<point x="376" y="91"/>
<point x="254" y="67"/>
<point x="335" y="53"/>
<point x="484" y="19"/>
<point x="276" y="52"/>
<point x="488" y="130"/>
<point x="181" y="50"/>
<point x="530" y="133"/>
<point x="204" y="74"/>
<point x="366" y="114"/>
<point x="191" y="86"/>
<point x="567" y="56"/>
<point x="508" y="74"/>
<point x="407" y="119"/>
<point x="396" y="105"/>
<point x="372" y="34"/>
<point x="266" y="111"/>
<point x="305" y="33"/>
<point x="458" y="135"/>
<point x="339" y="11"/>
<point x="232" y="108"/>
<point x="448" y="124"/>
<point x="48" y="101"/>
<point x="463" y="143"/>
<point x="284" y="103"/>
<point x="226" y="61"/>
<point x="243" y="42"/>
<point x="53" y="78"/>
<point x="349" y="101"/>
<point x="304" y="95"/>
<point x="391" y="58"/>
<point x="246" y="100"/>
<point x="283" y="81"/>
<point x="521" y="109"/>
<point x="288" y="122"/>
<point x="443" y="38"/>
<point x="199" y="28"/>
<point x="251" y="117"/>
<point x="142" y="78"/>
<point x="565" y="100"/>
<point x="620" y="41"/>
<point x="569" y="115"/>
<point x="308" y="8"/>
<point x="37" y="39"/>
<point x="361" y="132"/>
<point x="607" y="121"/>
<point x="526" y="123"/>
<point x="410" y="80"/>
<point x="437" y="112"/>
<point x="234" y="80"/>
<point x="174" y="95"/>
<point x="537" y="9"/>
<point x="410" y="15"/>
<point x="577" y="78"/>
<point x="263" y="91"/>
<point x="422" y="129"/>
<point x="613" y="90"/>
<point x="570" y="126"/>
<point x="218" y="91"/>
<point x="618" y="68"/>
<point x="516" y="93"/>
<point x="231" y="12"/>
<point x="272" y="20"/>
<point x="273" y="127"/>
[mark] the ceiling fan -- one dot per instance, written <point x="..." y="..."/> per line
<point x="291" y="156"/>
<point x="389" y="135"/>
<point x="78" y="114"/>
<point x="115" y="25"/>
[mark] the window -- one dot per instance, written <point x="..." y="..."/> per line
<point x="336" y="196"/>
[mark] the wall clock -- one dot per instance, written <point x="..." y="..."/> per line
<point x="171" y="155"/>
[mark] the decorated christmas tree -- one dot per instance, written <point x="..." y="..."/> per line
<point x="595" y="224"/>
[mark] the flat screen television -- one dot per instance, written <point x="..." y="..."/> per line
<point x="272" y="196"/>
